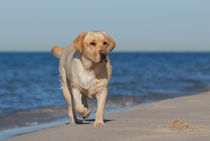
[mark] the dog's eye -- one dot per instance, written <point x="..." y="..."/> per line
<point x="92" y="43"/>
<point x="105" y="43"/>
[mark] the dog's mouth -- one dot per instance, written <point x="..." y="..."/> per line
<point x="103" y="59"/>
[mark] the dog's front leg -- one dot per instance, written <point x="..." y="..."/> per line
<point x="81" y="109"/>
<point x="101" y="102"/>
<point x="67" y="95"/>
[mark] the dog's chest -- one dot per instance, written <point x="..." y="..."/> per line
<point x="89" y="84"/>
<point x="86" y="79"/>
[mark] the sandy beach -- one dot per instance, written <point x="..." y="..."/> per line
<point x="178" y="119"/>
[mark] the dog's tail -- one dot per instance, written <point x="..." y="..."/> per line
<point x="57" y="51"/>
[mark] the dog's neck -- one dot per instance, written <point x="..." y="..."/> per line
<point x="87" y="64"/>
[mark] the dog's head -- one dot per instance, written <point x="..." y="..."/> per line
<point x="93" y="45"/>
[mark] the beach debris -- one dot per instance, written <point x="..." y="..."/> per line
<point x="178" y="124"/>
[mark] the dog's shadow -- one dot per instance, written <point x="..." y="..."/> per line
<point x="89" y="121"/>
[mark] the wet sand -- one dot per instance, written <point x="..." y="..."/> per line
<point x="178" y="119"/>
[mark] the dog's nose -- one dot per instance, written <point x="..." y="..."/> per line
<point x="103" y="53"/>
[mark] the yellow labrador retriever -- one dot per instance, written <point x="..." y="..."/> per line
<point x="85" y="71"/>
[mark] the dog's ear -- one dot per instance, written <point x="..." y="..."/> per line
<point x="78" y="43"/>
<point x="111" y="43"/>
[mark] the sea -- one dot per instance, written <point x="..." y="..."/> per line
<point x="31" y="95"/>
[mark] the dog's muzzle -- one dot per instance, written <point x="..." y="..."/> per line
<point x="103" y="55"/>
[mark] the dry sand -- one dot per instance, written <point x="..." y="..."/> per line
<point x="179" y="119"/>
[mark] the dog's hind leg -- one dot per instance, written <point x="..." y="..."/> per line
<point x="67" y="95"/>
<point x="84" y="102"/>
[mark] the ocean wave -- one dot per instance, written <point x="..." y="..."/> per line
<point x="30" y="94"/>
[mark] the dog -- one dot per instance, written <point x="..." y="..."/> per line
<point x="85" y="72"/>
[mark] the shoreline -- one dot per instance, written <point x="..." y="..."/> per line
<point x="12" y="132"/>
<point x="59" y="113"/>
<point x="143" y="122"/>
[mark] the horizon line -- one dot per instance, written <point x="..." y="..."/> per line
<point x="178" y="51"/>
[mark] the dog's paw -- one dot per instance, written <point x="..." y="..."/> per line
<point x="86" y="113"/>
<point x="83" y="111"/>
<point x="99" y="123"/>
<point x="73" y="123"/>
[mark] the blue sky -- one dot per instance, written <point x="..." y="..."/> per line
<point x="136" y="25"/>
